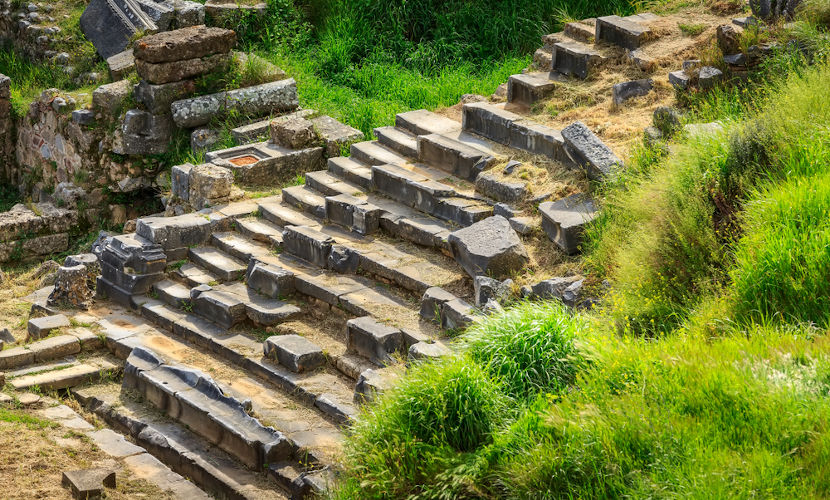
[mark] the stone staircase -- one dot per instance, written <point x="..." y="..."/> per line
<point x="579" y="51"/>
<point x="249" y="333"/>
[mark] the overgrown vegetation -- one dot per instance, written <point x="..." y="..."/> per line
<point x="703" y="374"/>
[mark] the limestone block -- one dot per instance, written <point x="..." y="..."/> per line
<point x="489" y="247"/>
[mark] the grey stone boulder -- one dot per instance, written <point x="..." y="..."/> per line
<point x="373" y="340"/>
<point x="186" y="43"/>
<point x="564" y="220"/>
<point x="294" y="352"/>
<point x="709" y="76"/>
<point x="679" y="79"/>
<point x="729" y="38"/>
<point x="489" y="247"/>
<point x="588" y="151"/>
<point x="6" y="336"/>
<point x="373" y="382"/>
<point x="432" y="302"/>
<point x="486" y="289"/>
<point x="258" y="100"/>
<point x="566" y="289"/>
<point x="624" y="91"/>
<point x="204" y="139"/>
<point x="457" y="314"/>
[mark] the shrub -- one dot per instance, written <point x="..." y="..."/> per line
<point x="418" y="428"/>
<point x="529" y="347"/>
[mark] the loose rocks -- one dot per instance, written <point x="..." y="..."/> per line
<point x="489" y="247"/>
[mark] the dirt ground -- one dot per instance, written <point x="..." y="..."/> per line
<point x="34" y="453"/>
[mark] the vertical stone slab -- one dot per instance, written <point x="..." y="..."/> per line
<point x="109" y="24"/>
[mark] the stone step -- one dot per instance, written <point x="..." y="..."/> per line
<point x="625" y="33"/>
<point x="239" y="245"/>
<point x="428" y="196"/>
<point x="352" y="171"/>
<point x="52" y="348"/>
<point x="576" y="59"/>
<point x="322" y="390"/>
<point x="173" y="293"/>
<point x="582" y="31"/>
<point x="306" y="199"/>
<point x="513" y="130"/>
<point x="176" y="446"/>
<point x="528" y="88"/>
<point x="564" y="220"/>
<point x="373" y="153"/>
<point x="282" y="215"/>
<point x="423" y="122"/>
<point x="453" y="156"/>
<point x="262" y="311"/>
<point x="399" y="140"/>
<point x="328" y="184"/>
<point x="218" y="263"/>
<point x="191" y="397"/>
<point x="63" y="375"/>
<point x="192" y="275"/>
<point x="219" y="306"/>
<point x="260" y="229"/>
<point x="589" y="152"/>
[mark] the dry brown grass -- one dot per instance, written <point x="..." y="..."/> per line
<point x="34" y="456"/>
<point x="14" y="309"/>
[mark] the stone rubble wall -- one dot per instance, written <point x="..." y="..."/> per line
<point x="6" y="129"/>
<point x="32" y="231"/>
<point x="60" y="158"/>
<point x="30" y="28"/>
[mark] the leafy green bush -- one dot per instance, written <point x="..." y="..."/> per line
<point x="529" y="347"/>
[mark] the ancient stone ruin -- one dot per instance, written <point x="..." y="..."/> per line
<point x="234" y="331"/>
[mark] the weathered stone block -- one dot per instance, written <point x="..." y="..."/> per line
<point x="624" y="91"/>
<point x="209" y="184"/>
<point x="41" y="327"/>
<point x="618" y="31"/>
<point x="186" y="43"/>
<point x="588" y="151"/>
<point x="157" y="99"/>
<point x="269" y="280"/>
<point x="88" y="483"/>
<point x="294" y="352"/>
<point x="308" y="244"/>
<point x="251" y="101"/>
<point x="501" y="189"/>
<point x="71" y="288"/>
<point x="121" y="64"/>
<point x="373" y="340"/>
<point x="489" y="247"/>
<point x="167" y="72"/>
<point x="564" y="220"/>
<point x="109" y="98"/>
<point x="145" y="133"/>
<point x="336" y="136"/>
<point x="293" y="132"/>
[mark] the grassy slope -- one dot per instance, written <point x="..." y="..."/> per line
<point x="720" y="250"/>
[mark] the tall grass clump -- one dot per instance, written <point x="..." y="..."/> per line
<point x="530" y="348"/>
<point x="443" y="410"/>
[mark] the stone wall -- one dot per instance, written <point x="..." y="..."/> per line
<point x="64" y="154"/>
<point x="29" y="232"/>
<point x="6" y="129"/>
<point x="32" y="31"/>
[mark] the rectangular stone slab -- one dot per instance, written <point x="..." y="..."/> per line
<point x="185" y="43"/>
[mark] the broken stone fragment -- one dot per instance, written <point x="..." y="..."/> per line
<point x="88" y="483"/>
<point x="729" y="38"/>
<point x="486" y="289"/>
<point x="489" y="247"/>
<point x="293" y="132"/>
<point x="71" y="288"/>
